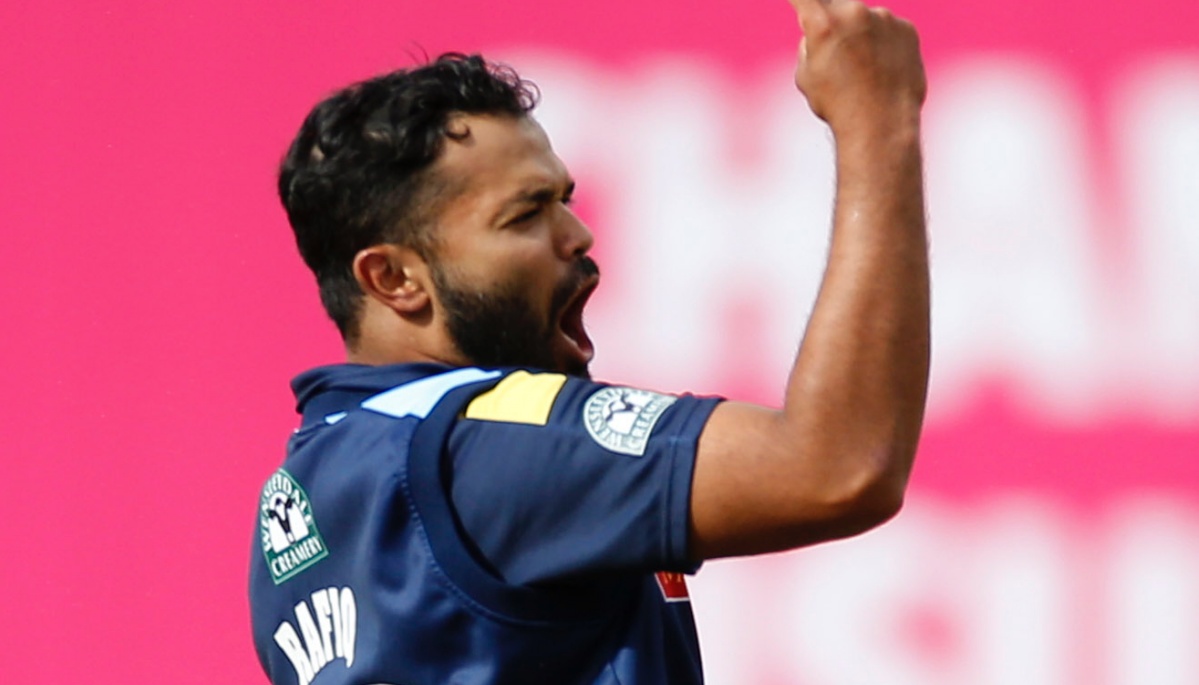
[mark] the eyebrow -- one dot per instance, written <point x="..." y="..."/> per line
<point x="540" y="195"/>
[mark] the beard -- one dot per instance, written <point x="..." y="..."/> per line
<point x="500" y="327"/>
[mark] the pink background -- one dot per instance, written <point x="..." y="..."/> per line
<point x="156" y="310"/>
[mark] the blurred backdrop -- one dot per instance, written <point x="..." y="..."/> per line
<point x="155" y="310"/>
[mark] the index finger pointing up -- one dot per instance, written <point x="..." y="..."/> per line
<point x="809" y="9"/>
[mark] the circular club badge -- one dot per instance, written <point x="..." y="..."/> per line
<point x="621" y="419"/>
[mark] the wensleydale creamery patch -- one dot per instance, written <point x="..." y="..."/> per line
<point x="290" y="539"/>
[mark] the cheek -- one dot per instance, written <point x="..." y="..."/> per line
<point x="530" y="284"/>
<point x="503" y="279"/>
<point x="520" y="265"/>
<point x="526" y="267"/>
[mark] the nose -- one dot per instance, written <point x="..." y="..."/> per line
<point x="574" y="238"/>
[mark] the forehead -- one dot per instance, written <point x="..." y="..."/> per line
<point x="489" y="159"/>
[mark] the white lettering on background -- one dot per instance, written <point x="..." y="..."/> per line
<point x="1014" y="591"/>
<point x="713" y="208"/>
<point x="1015" y="284"/>
<point x="1154" y="600"/>
<point x="1157" y="120"/>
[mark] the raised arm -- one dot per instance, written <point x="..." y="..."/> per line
<point x="834" y="461"/>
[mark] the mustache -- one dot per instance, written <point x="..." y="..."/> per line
<point x="586" y="267"/>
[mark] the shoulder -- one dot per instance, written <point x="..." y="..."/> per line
<point x="616" y="418"/>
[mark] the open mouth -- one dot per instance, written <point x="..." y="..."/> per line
<point x="572" y="332"/>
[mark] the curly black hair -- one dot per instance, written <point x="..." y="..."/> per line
<point x="358" y="172"/>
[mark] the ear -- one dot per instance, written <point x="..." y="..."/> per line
<point x="395" y="276"/>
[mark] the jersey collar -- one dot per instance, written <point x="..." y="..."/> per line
<point x="340" y="387"/>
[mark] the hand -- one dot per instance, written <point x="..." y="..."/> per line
<point x="858" y="66"/>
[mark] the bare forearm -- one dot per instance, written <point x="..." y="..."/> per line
<point x="858" y="387"/>
<point x="836" y="459"/>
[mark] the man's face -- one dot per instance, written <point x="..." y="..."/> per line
<point x="509" y="264"/>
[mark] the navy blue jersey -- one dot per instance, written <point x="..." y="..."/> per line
<point x="433" y="525"/>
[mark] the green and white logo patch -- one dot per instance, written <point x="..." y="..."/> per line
<point x="621" y="419"/>
<point x="290" y="540"/>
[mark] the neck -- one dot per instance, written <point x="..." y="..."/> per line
<point x="357" y="354"/>
<point x="380" y="345"/>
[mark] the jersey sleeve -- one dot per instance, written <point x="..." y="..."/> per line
<point x="556" y="478"/>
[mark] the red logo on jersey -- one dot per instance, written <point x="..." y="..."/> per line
<point x="673" y="586"/>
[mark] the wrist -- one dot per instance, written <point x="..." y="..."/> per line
<point x="873" y="135"/>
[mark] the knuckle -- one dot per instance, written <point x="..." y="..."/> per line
<point x="817" y="25"/>
<point x="855" y="11"/>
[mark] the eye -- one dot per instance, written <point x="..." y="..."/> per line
<point x="526" y="216"/>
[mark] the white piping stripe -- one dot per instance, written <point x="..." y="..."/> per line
<point x="419" y="397"/>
